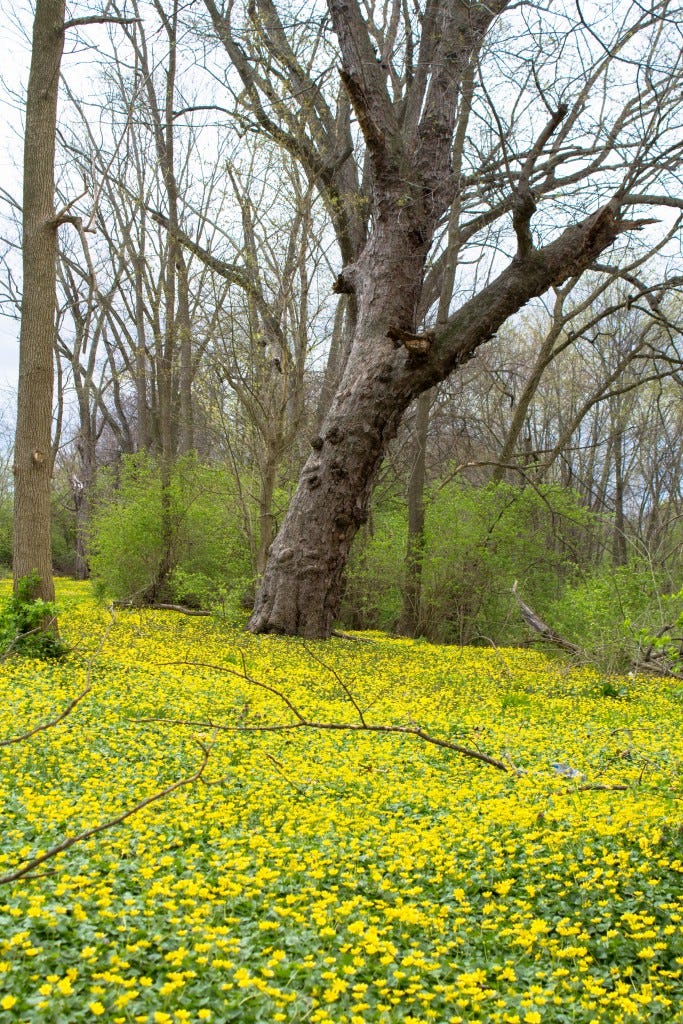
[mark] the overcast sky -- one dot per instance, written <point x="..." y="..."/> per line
<point x="15" y="63"/>
<point x="16" y="19"/>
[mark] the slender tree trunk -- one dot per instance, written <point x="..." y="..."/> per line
<point x="82" y="485"/>
<point x="81" y="489"/>
<point x="33" y="448"/>
<point x="409" y="622"/>
<point x="163" y="127"/>
<point x="186" y="440"/>
<point x="543" y="360"/>
<point x="266" y="519"/>
<point x="82" y="505"/>
<point x="141" y="351"/>
<point x="340" y="346"/>
<point x="619" y="549"/>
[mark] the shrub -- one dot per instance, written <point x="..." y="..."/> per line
<point x="63" y="526"/>
<point x="25" y="623"/>
<point x="209" y="555"/>
<point x="478" y="541"/>
<point x="616" y="612"/>
<point x="63" y="533"/>
<point x="374" y="575"/>
<point x="125" y="530"/>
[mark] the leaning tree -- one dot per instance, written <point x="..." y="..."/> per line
<point x="500" y="148"/>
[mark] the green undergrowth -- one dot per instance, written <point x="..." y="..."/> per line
<point x="335" y="876"/>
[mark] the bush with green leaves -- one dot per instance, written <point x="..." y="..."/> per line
<point x="478" y="541"/>
<point x="203" y="542"/>
<point x="374" y="575"/>
<point x="665" y="644"/>
<point x="27" y="623"/>
<point x="616" y="613"/>
<point x="62" y="527"/>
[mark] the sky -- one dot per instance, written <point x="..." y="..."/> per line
<point x="15" y="63"/>
<point x="15" y="22"/>
<point x="16" y="18"/>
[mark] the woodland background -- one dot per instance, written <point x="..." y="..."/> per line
<point x="196" y="336"/>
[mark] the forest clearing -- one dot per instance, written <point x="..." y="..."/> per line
<point x="346" y="330"/>
<point x="333" y="876"/>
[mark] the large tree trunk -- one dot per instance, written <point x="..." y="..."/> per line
<point x="302" y="586"/>
<point x="410" y="138"/>
<point x="33" y="444"/>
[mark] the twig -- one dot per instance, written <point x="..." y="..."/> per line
<point x="111" y="823"/>
<point x="281" y="771"/>
<point x="663" y="671"/>
<point x="333" y="672"/>
<point x="601" y="786"/>
<point x="48" y="725"/>
<point x="20" y="636"/>
<point x="72" y="704"/>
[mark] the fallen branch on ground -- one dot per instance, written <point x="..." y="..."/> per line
<point x="65" y="844"/>
<point x="48" y="725"/>
<point x="603" y="787"/>
<point x="29" y="866"/>
<point x="652" y="661"/>
<point x="161" y="606"/>
<point x="71" y="705"/>
<point x="302" y="722"/>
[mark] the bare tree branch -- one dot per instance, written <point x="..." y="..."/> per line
<point x="103" y="19"/>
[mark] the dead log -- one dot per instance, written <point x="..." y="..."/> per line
<point x="161" y="606"/>
<point x="546" y="632"/>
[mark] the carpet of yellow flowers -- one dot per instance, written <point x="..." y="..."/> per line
<point x="334" y="876"/>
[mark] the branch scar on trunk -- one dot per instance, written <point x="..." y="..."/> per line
<point x="416" y="344"/>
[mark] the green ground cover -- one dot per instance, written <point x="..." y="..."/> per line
<point x="335" y="877"/>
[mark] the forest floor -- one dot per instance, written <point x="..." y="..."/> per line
<point x="333" y="876"/>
